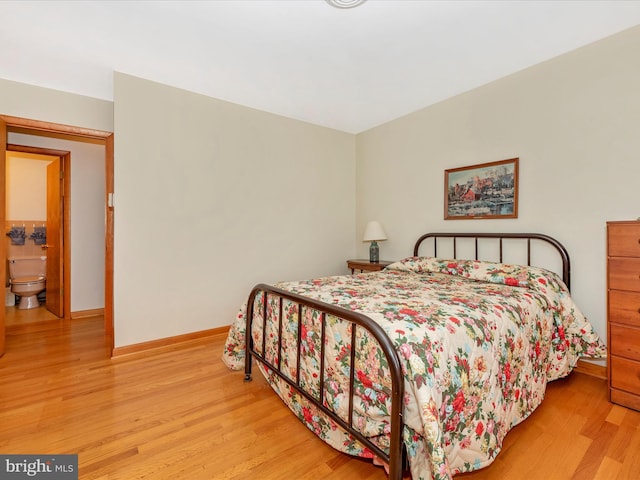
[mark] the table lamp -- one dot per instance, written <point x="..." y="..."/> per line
<point x="374" y="233"/>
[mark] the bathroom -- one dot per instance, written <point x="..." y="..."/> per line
<point x="81" y="249"/>
<point x="26" y="234"/>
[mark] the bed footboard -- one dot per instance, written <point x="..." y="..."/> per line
<point x="394" y="457"/>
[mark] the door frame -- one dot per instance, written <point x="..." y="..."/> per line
<point x="68" y="132"/>
<point x="65" y="160"/>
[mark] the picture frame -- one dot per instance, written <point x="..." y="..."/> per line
<point x="482" y="191"/>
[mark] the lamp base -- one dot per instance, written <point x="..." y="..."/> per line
<point x="374" y="252"/>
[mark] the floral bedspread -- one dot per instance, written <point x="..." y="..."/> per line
<point x="478" y="343"/>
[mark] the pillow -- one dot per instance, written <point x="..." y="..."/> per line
<point x="534" y="278"/>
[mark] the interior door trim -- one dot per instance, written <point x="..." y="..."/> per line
<point x="37" y="127"/>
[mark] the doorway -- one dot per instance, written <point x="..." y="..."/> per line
<point x="36" y="182"/>
<point x="10" y="124"/>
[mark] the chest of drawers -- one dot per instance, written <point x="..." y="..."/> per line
<point x="623" y="312"/>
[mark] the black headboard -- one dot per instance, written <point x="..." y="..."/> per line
<point x="562" y="251"/>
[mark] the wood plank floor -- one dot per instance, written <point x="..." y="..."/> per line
<point x="16" y="319"/>
<point x="180" y="414"/>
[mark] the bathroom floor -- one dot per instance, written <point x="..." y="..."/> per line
<point x="15" y="317"/>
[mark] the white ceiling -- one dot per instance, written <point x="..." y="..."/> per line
<point x="346" y="69"/>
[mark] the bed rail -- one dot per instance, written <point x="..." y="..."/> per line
<point x="394" y="457"/>
<point x="560" y="249"/>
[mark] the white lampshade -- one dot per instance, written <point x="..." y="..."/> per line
<point x="374" y="232"/>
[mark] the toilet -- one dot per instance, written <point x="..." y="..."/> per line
<point x="27" y="276"/>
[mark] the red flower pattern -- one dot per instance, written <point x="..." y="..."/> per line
<point x="462" y="372"/>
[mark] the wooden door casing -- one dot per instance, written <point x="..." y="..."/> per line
<point x="38" y="127"/>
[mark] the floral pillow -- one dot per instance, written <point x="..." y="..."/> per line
<point x="534" y="278"/>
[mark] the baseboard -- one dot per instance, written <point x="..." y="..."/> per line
<point x="96" y="312"/>
<point x="168" y="343"/>
<point x="591" y="369"/>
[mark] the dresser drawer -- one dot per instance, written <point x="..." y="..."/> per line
<point x="625" y="341"/>
<point x="624" y="239"/>
<point x="624" y="307"/>
<point x="625" y="375"/>
<point x="624" y="274"/>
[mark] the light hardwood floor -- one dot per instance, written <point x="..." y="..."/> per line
<point x="180" y="414"/>
<point x="16" y="319"/>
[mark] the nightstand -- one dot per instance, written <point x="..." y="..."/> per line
<point x="366" y="265"/>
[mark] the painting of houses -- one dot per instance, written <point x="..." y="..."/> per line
<point x="488" y="190"/>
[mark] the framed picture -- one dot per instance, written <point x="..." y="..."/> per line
<point x="486" y="190"/>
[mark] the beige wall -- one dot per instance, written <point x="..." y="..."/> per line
<point x="37" y="103"/>
<point x="573" y="122"/>
<point x="26" y="186"/>
<point x="202" y="185"/>
<point x="212" y="198"/>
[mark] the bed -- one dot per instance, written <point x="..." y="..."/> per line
<point x="427" y="364"/>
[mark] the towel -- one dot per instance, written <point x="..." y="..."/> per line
<point x="39" y="235"/>
<point x="17" y="235"/>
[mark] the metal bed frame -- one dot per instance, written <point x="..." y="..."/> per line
<point x="396" y="456"/>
